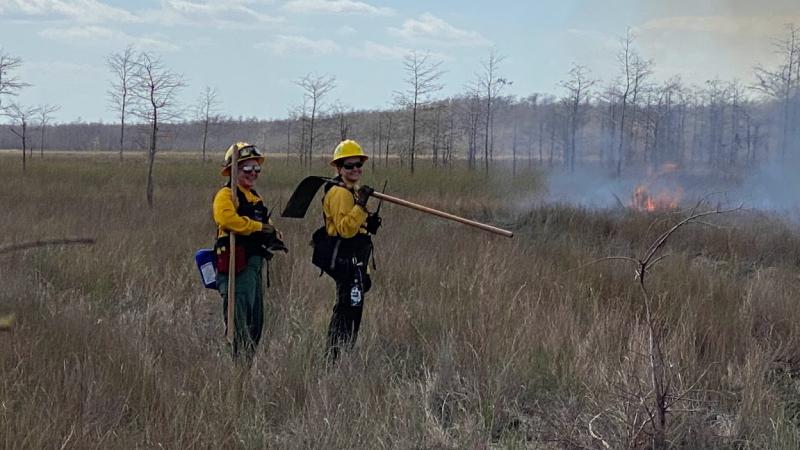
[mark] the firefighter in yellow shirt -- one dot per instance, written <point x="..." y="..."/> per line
<point x="256" y="240"/>
<point x="348" y="221"/>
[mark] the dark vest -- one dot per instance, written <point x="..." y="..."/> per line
<point x="359" y="245"/>
<point x="256" y="211"/>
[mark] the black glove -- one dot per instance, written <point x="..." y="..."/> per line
<point x="270" y="240"/>
<point x="374" y="222"/>
<point x="362" y="195"/>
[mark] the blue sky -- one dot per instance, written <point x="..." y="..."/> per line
<point x="252" y="51"/>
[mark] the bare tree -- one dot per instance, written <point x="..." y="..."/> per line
<point x="156" y="89"/>
<point x="715" y="98"/>
<point x="341" y="114"/>
<point x="45" y="115"/>
<point x="634" y="70"/>
<point x="783" y="82"/>
<point x="578" y="87"/>
<point x="122" y="66"/>
<point x="450" y="135"/>
<point x="529" y="114"/>
<point x="315" y="87"/>
<point x="490" y="84"/>
<point x="738" y="99"/>
<point x="422" y="80"/>
<point x="296" y="116"/>
<point x="21" y="116"/>
<point x="388" y="116"/>
<point x="207" y="111"/>
<point x="470" y="122"/>
<point x="9" y="83"/>
<point x="437" y="130"/>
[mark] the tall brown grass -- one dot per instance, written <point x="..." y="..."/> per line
<point x="468" y="340"/>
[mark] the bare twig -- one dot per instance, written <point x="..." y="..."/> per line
<point x="657" y="260"/>
<point x="657" y="402"/>
<point x="658" y="243"/>
<point x="686" y="391"/>
<point x="595" y="435"/>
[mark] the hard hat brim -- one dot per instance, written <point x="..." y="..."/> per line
<point x="363" y="158"/>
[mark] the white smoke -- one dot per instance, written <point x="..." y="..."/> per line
<point x="773" y="187"/>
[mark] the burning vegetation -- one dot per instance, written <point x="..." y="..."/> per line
<point x="658" y="193"/>
<point x="644" y="199"/>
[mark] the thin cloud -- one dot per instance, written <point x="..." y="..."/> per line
<point x="102" y="35"/>
<point x="283" y="45"/>
<point x="336" y="7"/>
<point x="430" y="28"/>
<point x="219" y="14"/>
<point x="84" y="11"/>
<point x="378" y="52"/>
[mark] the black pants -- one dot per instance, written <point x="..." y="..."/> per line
<point x="346" y="317"/>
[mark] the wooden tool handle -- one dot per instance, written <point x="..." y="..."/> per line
<point x="436" y="212"/>
<point x="232" y="247"/>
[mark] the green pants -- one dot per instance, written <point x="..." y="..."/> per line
<point x="248" y="317"/>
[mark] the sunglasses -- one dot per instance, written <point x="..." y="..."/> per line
<point x="351" y="166"/>
<point x="250" y="169"/>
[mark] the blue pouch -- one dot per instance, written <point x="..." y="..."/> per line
<point x="205" y="259"/>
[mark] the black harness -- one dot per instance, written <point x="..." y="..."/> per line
<point x="257" y="211"/>
<point x="336" y="255"/>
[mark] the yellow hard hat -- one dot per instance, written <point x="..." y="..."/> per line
<point x="246" y="151"/>
<point x="347" y="149"/>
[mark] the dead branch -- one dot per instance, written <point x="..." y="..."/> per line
<point x="694" y="215"/>
<point x="44" y="243"/>
<point x="657" y="403"/>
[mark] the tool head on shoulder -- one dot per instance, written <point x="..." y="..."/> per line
<point x="304" y="194"/>
<point x="348" y="157"/>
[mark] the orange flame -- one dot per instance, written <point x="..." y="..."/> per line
<point x="644" y="200"/>
<point x="647" y="198"/>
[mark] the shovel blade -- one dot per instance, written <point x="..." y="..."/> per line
<point x="302" y="196"/>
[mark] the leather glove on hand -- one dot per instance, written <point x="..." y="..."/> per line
<point x="362" y="195"/>
<point x="374" y="222"/>
<point x="271" y="239"/>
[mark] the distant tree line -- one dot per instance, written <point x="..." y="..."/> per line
<point x="629" y="120"/>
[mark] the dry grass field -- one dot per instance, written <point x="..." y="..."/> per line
<point x="468" y="341"/>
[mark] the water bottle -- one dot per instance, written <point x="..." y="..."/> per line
<point x="204" y="258"/>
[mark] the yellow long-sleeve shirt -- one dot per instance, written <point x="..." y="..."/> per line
<point x="342" y="216"/>
<point x="226" y="217"/>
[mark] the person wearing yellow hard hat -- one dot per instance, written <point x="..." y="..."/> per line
<point x="348" y="226"/>
<point x="256" y="240"/>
